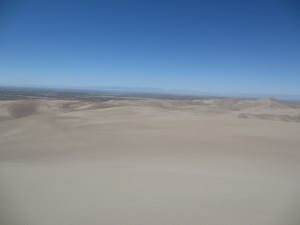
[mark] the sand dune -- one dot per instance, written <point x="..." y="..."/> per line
<point x="21" y="108"/>
<point x="149" y="161"/>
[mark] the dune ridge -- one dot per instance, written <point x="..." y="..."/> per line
<point x="271" y="109"/>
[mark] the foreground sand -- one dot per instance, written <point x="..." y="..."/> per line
<point x="144" y="162"/>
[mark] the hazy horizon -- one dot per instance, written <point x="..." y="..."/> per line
<point x="153" y="90"/>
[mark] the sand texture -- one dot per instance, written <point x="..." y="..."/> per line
<point x="149" y="162"/>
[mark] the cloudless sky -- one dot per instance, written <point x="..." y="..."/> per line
<point x="216" y="46"/>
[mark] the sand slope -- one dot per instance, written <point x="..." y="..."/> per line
<point x="149" y="161"/>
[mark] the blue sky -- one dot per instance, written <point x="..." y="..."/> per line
<point x="231" y="47"/>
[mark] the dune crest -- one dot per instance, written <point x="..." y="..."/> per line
<point x="267" y="109"/>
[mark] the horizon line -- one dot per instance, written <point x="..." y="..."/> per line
<point x="155" y="90"/>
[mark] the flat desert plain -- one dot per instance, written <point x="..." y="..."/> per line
<point x="149" y="162"/>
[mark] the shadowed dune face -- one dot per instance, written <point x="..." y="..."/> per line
<point x="282" y="117"/>
<point x="23" y="108"/>
<point x="149" y="161"/>
<point x="85" y="105"/>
